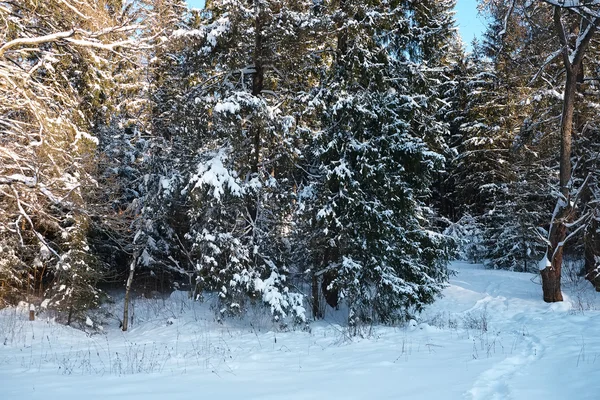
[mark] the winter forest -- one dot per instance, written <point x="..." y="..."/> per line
<point x="299" y="154"/>
<point x="317" y="169"/>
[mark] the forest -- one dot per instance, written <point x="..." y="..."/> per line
<point x="302" y="155"/>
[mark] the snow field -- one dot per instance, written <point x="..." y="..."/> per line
<point x="490" y="337"/>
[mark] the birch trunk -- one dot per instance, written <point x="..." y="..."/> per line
<point x="127" y="294"/>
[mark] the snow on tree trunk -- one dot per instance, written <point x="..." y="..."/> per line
<point x="128" y="295"/>
<point x="572" y="61"/>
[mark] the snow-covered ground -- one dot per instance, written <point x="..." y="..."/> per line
<point x="490" y="337"/>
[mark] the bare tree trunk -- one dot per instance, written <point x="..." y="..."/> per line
<point x="592" y="254"/>
<point x="558" y="230"/>
<point x="257" y="88"/>
<point x="30" y="305"/>
<point x="573" y="63"/>
<point x="316" y="304"/>
<point x="128" y="293"/>
<point x="551" y="275"/>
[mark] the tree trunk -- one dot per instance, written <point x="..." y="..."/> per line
<point x="573" y="63"/>
<point x="558" y="230"/>
<point x="551" y="275"/>
<point x="592" y="256"/>
<point x="127" y="294"/>
<point x="316" y="304"/>
<point x="258" y="79"/>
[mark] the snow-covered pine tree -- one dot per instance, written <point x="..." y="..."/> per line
<point x="500" y="175"/>
<point x="437" y="53"/>
<point x="482" y="168"/>
<point x="237" y="121"/>
<point x="160" y="224"/>
<point x="152" y="158"/>
<point x="370" y="247"/>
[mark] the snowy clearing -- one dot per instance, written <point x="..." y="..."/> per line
<point x="491" y="337"/>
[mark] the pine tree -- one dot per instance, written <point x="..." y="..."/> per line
<point x="500" y="174"/>
<point x="235" y="123"/>
<point x="370" y="246"/>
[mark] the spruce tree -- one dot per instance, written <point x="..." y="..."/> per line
<point x="500" y="174"/>
<point x="370" y="246"/>
<point x="235" y="122"/>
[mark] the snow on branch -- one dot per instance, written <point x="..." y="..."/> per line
<point x="25" y="215"/>
<point x="583" y="40"/>
<point x="35" y="40"/>
<point x="506" y="18"/>
<point x="547" y="62"/>
<point x="572" y="3"/>
<point x="68" y="36"/>
<point x="75" y="10"/>
<point x="592" y="19"/>
<point x="214" y="173"/>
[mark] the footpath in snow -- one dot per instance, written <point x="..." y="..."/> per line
<point x="490" y="337"/>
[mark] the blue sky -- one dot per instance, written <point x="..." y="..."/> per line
<point x="196" y="3"/>
<point x="469" y="23"/>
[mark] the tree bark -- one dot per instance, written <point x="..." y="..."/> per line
<point x="592" y="254"/>
<point x="127" y="294"/>
<point x="573" y="62"/>
<point x="558" y="231"/>
<point x="551" y="275"/>
<point x="258" y="79"/>
<point x="316" y="304"/>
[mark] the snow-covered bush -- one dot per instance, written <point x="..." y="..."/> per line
<point x="468" y="235"/>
